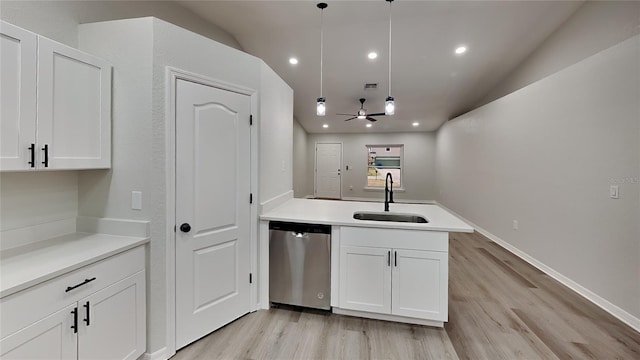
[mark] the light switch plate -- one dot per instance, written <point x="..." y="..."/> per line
<point x="136" y="200"/>
<point x="614" y="192"/>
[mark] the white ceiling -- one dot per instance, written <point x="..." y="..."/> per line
<point x="429" y="82"/>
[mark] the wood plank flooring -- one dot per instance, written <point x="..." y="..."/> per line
<point x="500" y="307"/>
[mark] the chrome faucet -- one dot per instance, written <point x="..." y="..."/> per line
<point x="388" y="191"/>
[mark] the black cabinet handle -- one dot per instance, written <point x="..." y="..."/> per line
<point x="185" y="227"/>
<point x="389" y="258"/>
<point x="46" y="155"/>
<point x="86" y="319"/>
<point x="75" y="320"/>
<point x="86" y="281"/>
<point x="32" y="155"/>
<point x="395" y="258"/>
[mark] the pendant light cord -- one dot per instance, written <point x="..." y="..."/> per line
<point x="390" y="2"/>
<point x="321" y="46"/>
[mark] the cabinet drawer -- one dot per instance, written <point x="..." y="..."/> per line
<point x="25" y="307"/>
<point x="395" y="238"/>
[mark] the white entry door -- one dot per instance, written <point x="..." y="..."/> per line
<point x="212" y="209"/>
<point x="328" y="165"/>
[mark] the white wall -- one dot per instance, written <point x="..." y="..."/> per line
<point x="33" y="198"/>
<point x="300" y="166"/>
<point x="59" y="20"/>
<point x="140" y="50"/>
<point x="276" y="135"/>
<point x="418" y="168"/>
<point x="546" y="155"/>
<point x="595" y="26"/>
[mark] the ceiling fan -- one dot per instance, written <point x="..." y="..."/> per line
<point x="362" y="113"/>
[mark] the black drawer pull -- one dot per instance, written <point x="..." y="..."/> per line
<point x="46" y="155"/>
<point x="75" y="320"/>
<point x="86" y="281"/>
<point x="32" y="151"/>
<point x="86" y="319"/>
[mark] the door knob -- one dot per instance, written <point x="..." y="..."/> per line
<point x="185" y="227"/>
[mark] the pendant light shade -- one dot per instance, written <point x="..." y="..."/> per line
<point x="389" y="106"/>
<point x="389" y="103"/>
<point x="321" y="106"/>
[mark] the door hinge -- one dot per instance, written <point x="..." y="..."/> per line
<point x="250" y="278"/>
<point x="251" y="198"/>
<point x="174" y="228"/>
<point x="250" y="120"/>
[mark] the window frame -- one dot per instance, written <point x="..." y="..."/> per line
<point x="368" y="187"/>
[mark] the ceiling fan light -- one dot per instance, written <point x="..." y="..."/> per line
<point x="321" y="108"/>
<point x="389" y="106"/>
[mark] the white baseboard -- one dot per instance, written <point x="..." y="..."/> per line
<point x="274" y="202"/>
<point x="157" y="355"/>
<point x="385" y="317"/>
<point x="119" y="227"/>
<point x="601" y="302"/>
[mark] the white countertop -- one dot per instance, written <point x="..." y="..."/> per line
<point x="332" y="212"/>
<point x="29" y="265"/>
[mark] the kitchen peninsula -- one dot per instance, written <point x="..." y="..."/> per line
<point x="387" y="270"/>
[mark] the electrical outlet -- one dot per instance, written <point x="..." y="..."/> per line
<point x="614" y="192"/>
<point x="136" y="200"/>
<point x="515" y="225"/>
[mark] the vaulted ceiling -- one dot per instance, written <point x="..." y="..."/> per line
<point x="430" y="82"/>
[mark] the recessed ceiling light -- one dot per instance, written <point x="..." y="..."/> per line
<point x="372" y="55"/>
<point x="293" y="61"/>
<point x="415" y="124"/>
<point x="461" y="50"/>
<point x="369" y="125"/>
<point x="325" y="126"/>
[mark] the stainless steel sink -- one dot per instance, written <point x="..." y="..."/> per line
<point x="393" y="217"/>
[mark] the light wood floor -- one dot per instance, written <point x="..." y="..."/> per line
<point x="499" y="308"/>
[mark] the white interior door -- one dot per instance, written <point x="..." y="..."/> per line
<point x="328" y="165"/>
<point x="212" y="199"/>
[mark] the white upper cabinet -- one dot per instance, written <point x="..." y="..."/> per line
<point x="74" y="108"/>
<point x="70" y="91"/>
<point x="17" y="96"/>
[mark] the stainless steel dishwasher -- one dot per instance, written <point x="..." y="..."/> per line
<point x="300" y="264"/>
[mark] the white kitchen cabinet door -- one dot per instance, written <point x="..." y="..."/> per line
<point x="112" y="321"/>
<point x="419" y="284"/>
<point x="17" y="97"/>
<point x="49" y="338"/>
<point x="365" y="278"/>
<point x="74" y="108"/>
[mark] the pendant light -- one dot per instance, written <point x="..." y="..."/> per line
<point x="321" y="108"/>
<point x="389" y="103"/>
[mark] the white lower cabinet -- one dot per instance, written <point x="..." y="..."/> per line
<point x="48" y="338"/>
<point x="100" y="319"/>
<point x="365" y="279"/>
<point x="394" y="272"/>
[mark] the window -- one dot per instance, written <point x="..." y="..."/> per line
<point x="383" y="159"/>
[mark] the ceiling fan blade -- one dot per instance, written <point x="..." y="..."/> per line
<point x="371" y="119"/>
<point x="377" y="114"/>
<point x="351" y="118"/>
<point x="348" y="114"/>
